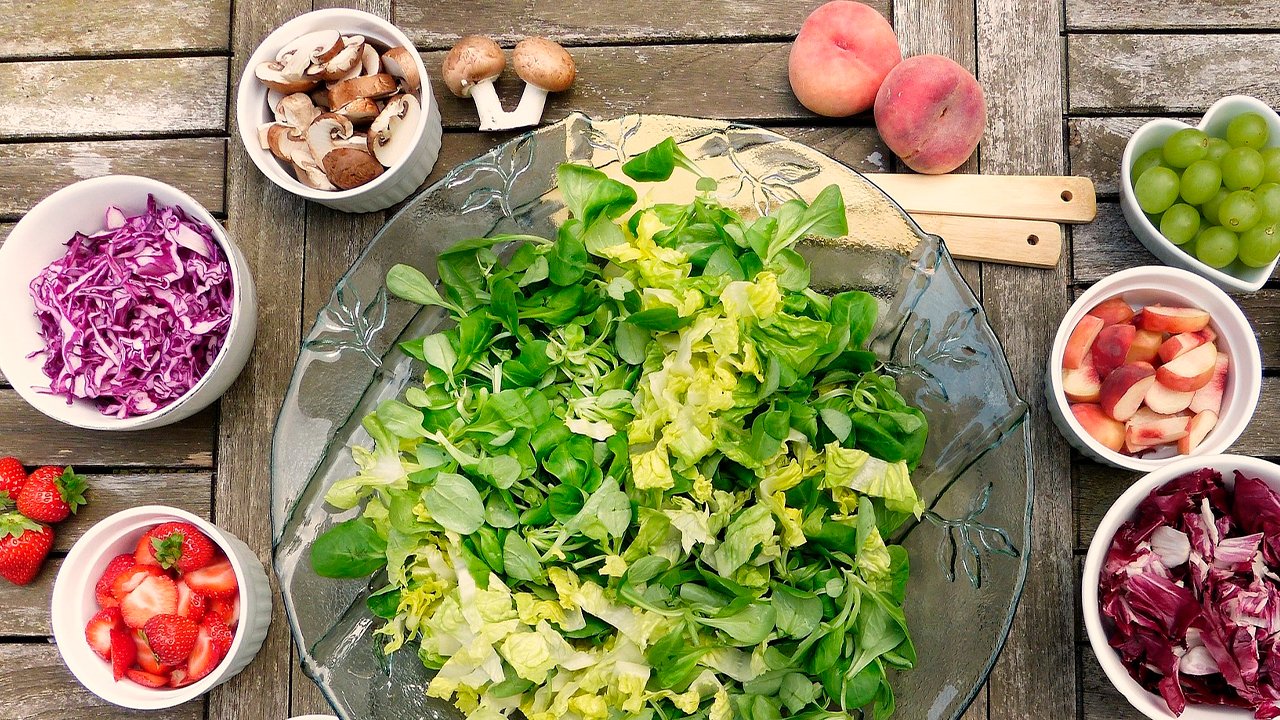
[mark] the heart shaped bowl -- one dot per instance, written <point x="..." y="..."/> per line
<point x="1237" y="276"/>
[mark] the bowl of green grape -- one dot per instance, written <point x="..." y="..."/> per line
<point x="1207" y="198"/>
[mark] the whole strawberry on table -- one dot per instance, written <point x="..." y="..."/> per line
<point x="49" y="495"/>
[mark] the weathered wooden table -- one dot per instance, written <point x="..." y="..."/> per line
<point x="89" y="87"/>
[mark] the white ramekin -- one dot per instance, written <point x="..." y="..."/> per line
<point x="1174" y="287"/>
<point x="395" y="183"/>
<point x="74" y="604"/>
<point x="1150" y="704"/>
<point x="41" y="237"/>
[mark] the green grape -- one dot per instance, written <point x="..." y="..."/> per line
<point x="1217" y="148"/>
<point x="1185" y="147"/>
<point x="1259" y="246"/>
<point x="1156" y="190"/>
<point x="1271" y="164"/>
<point x="1239" y="211"/>
<point x="1200" y="182"/>
<point x="1210" y="208"/>
<point x="1247" y="130"/>
<point x="1180" y="223"/>
<point x="1268" y="197"/>
<point x="1242" y="169"/>
<point x="1216" y="247"/>
<point x="1146" y="161"/>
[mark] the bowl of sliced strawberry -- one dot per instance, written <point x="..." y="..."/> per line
<point x="154" y="606"/>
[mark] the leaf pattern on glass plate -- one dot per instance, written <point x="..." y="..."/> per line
<point x="964" y="539"/>
<point x="347" y="323"/>
<point x="628" y="126"/>
<point x="922" y="353"/>
<point x="504" y="168"/>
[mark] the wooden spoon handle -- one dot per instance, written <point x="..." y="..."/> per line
<point x="1060" y="199"/>
<point x="1032" y="243"/>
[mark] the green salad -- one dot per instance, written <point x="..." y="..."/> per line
<point x="647" y="474"/>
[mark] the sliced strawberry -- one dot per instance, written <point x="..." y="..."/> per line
<point x="219" y="633"/>
<point x="147" y="659"/>
<point x="172" y="637"/>
<point x="123" y="653"/>
<point x="132" y="577"/>
<point x="146" y="679"/>
<point x="103" y="590"/>
<point x="228" y="609"/>
<point x="155" y="595"/>
<point x="216" y="581"/>
<point x="205" y="657"/>
<point x="180" y="677"/>
<point x="181" y="545"/>
<point x="98" y="631"/>
<point x="191" y="604"/>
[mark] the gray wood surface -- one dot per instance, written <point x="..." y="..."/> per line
<point x="1188" y="15"/>
<point x="35" y="685"/>
<point x="57" y="28"/>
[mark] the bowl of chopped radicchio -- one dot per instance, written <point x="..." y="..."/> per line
<point x="1182" y="590"/>
<point x="126" y="306"/>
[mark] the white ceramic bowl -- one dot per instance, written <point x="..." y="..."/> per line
<point x="74" y="604"/>
<point x="1150" y="704"/>
<point x="1148" y="285"/>
<point x="252" y="110"/>
<point x="1153" y="135"/>
<point x="40" y="238"/>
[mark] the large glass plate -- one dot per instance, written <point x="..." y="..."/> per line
<point x="969" y="554"/>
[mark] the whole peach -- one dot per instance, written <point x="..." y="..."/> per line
<point x="842" y="54"/>
<point x="931" y="113"/>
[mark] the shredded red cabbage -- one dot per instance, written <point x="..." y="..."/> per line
<point x="1190" y="593"/>
<point x="132" y="317"/>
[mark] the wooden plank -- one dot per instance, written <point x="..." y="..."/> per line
<point x="1095" y="145"/>
<point x="31" y="171"/>
<point x="1101" y="700"/>
<point x="95" y="98"/>
<point x="26" y="609"/>
<point x="670" y="79"/>
<point x="36" y="685"/>
<point x="1162" y="73"/>
<point x="1020" y="67"/>
<point x="1194" y="15"/>
<point x="39" y="440"/>
<point x="1068" y="199"/>
<point x="438" y="25"/>
<point x="56" y="28"/>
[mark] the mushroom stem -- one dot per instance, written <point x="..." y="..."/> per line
<point x="529" y="111"/>
<point x="489" y="107"/>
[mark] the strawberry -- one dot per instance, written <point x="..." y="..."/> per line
<point x="172" y="637"/>
<point x="180" y="545"/>
<point x="123" y="652"/>
<point x="219" y="634"/>
<point x="191" y="604"/>
<point x="146" y="679"/>
<point x="143" y="553"/>
<point x="179" y="678"/>
<point x="132" y="577"/>
<point x="51" y="494"/>
<point x="24" y="544"/>
<point x="102" y="590"/>
<point x="155" y="595"/>
<point x="12" y="477"/>
<point x="205" y="656"/>
<point x="98" y="631"/>
<point x="214" y="581"/>
<point x="147" y="659"/>
<point x="226" y="608"/>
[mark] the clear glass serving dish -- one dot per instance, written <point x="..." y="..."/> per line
<point x="969" y="553"/>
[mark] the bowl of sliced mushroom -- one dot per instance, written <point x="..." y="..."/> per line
<point x="335" y="106"/>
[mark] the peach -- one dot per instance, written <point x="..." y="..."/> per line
<point x="1082" y="384"/>
<point x="1174" y="319"/>
<point x="1123" y="391"/>
<point x="1081" y="341"/>
<point x="931" y="113"/>
<point x="1113" y="311"/>
<point x="1160" y="432"/>
<point x="1189" y="371"/>
<point x="1180" y="343"/>
<point x="1199" y="428"/>
<point x="1099" y="425"/>
<point x="1209" y="397"/>
<point x="840" y="58"/>
<point x="1145" y="347"/>
<point x="1165" y="401"/>
<point x="1112" y="347"/>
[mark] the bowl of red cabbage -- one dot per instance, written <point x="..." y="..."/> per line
<point x="1182" y="590"/>
<point x="127" y="306"/>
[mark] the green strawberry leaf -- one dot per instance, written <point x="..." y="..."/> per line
<point x="72" y="488"/>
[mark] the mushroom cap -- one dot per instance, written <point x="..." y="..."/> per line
<point x="544" y="63"/>
<point x="366" y="86"/>
<point x="296" y="110"/>
<point x="475" y="59"/>
<point x="316" y="46"/>
<point x="273" y="75"/>
<point x="399" y="61"/>
<point x="325" y="131"/>
<point x="348" y="167"/>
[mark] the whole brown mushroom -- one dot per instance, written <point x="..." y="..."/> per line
<point x="469" y="71"/>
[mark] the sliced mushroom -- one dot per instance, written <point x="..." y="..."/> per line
<point x="358" y="140"/>
<point x="402" y="63"/>
<point x="296" y="110"/>
<point x="311" y="174"/>
<point x="285" y="144"/>
<point x="317" y="47"/>
<point x="320" y="96"/>
<point x="264" y="132"/>
<point x="545" y="66"/>
<point x="370" y="63"/>
<point x="369" y="86"/>
<point x="469" y="71"/>
<point x="391" y="135"/>
<point x="359" y="111"/>
<point x="348" y="167"/>
<point x="324" y="133"/>
<point x="340" y="66"/>
<point x="277" y="76"/>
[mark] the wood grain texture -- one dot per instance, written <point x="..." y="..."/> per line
<point x="438" y="25"/>
<point x="56" y="28"/>
<point x="1193" y="15"/>
<point x="96" y="98"/>
<point x="35" y="676"/>
<point x="1057" y="199"/>
<point x="1130" y="74"/>
<point x="1020" y="67"/>
<point x="1101" y="700"/>
<point x="1095" y="146"/>
<point x="31" y="171"/>
<point x="111" y="493"/>
<point x="39" y="440"/>
<point x="26" y="608"/>
<point x="1030" y="243"/>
